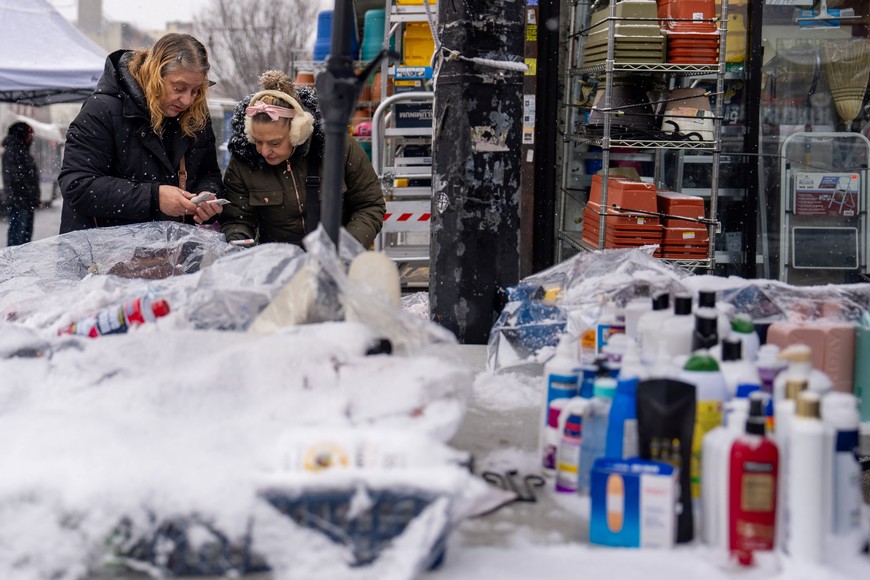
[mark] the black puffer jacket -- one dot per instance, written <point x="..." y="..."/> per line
<point x="269" y="203"/>
<point x="20" y="174"/>
<point x="114" y="163"/>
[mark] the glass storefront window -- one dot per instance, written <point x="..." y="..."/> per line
<point x="815" y="151"/>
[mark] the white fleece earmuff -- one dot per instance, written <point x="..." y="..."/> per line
<point x="301" y="125"/>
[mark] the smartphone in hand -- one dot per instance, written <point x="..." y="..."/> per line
<point x="205" y="196"/>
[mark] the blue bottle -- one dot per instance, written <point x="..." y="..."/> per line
<point x="622" y="423"/>
<point x="595" y="420"/>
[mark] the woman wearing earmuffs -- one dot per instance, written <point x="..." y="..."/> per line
<point x="276" y="144"/>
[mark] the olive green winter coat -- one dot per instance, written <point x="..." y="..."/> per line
<point x="268" y="204"/>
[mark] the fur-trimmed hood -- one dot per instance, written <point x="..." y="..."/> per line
<point x="239" y="145"/>
<point x="117" y="80"/>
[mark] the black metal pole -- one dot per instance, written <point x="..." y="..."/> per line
<point x="337" y="91"/>
<point x="476" y="166"/>
<point x="546" y="135"/>
<point x="752" y="138"/>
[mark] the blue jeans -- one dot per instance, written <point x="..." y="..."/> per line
<point x="20" y="226"/>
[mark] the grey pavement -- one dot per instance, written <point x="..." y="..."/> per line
<point x="45" y="225"/>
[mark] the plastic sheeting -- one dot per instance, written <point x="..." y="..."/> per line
<point x="209" y="284"/>
<point x="571" y="296"/>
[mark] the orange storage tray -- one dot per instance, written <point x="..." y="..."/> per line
<point x="694" y="236"/>
<point x="590" y="235"/>
<point x="628" y="193"/>
<point x="624" y="220"/>
<point x="680" y="204"/>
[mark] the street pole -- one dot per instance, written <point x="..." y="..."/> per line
<point x="338" y="88"/>
<point x="337" y="91"/>
<point x="476" y="165"/>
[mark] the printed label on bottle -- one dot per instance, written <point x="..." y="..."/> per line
<point x="133" y="311"/>
<point x="587" y="341"/>
<point x="560" y="387"/>
<point x="568" y="456"/>
<point x="847" y="487"/>
<point x="629" y="438"/>
<point x="111" y="321"/>
<point x="752" y="536"/>
<point x="757" y="491"/>
<point x="708" y="414"/>
<point x="604" y="332"/>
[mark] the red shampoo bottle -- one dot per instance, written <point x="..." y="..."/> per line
<point x="753" y="471"/>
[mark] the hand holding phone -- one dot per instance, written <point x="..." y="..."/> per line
<point x="204" y="196"/>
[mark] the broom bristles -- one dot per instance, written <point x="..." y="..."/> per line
<point x="847" y="70"/>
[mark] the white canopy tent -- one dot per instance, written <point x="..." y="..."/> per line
<point x="43" y="58"/>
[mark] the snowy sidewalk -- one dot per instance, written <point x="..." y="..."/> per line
<point x="46" y="223"/>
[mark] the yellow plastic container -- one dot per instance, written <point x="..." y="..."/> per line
<point x="418" y="44"/>
<point x="417" y="2"/>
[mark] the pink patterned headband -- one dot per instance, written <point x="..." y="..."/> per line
<point x="274" y="111"/>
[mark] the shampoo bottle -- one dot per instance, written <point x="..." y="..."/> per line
<point x="634" y="310"/>
<point x="676" y="331"/>
<point x="595" y="420"/>
<point x="753" y="474"/>
<point x="706" y="333"/>
<point x="743" y="328"/>
<point x="561" y="374"/>
<point x="571" y="422"/>
<point x="769" y="366"/>
<point x="649" y="325"/>
<point x="707" y="299"/>
<point x="735" y="368"/>
<point x="808" y="482"/>
<point x="622" y="423"/>
<point x="800" y="364"/>
<point x="784" y="413"/>
<point x="702" y="370"/>
<point x="840" y="412"/>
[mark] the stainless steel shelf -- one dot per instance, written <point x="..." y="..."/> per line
<point x="645" y="143"/>
<point x="575" y="240"/>
<point x="723" y="191"/>
<point x="650" y="67"/>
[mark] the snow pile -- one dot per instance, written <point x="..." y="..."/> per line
<point x="108" y="439"/>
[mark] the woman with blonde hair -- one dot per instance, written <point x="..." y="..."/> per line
<point x="273" y="178"/>
<point x="142" y="145"/>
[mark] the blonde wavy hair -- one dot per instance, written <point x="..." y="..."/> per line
<point x="172" y="52"/>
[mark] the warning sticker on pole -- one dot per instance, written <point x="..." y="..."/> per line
<point x="826" y="194"/>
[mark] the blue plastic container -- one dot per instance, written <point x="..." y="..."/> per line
<point x="373" y="34"/>
<point x="323" y="41"/>
<point x="622" y="424"/>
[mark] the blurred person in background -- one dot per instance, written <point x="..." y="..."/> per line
<point x="143" y="145"/>
<point x="277" y="146"/>
<point x="21" y="181"/>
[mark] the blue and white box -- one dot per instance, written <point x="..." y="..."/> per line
<point x="634" y="503"/>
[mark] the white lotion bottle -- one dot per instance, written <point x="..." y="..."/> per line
<point x="677" y="330"/>
<point x="808" y="482"/>
<point x="840" y="412"/>
<point x="649" y="325"/>
<point x="783" y="413"/>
